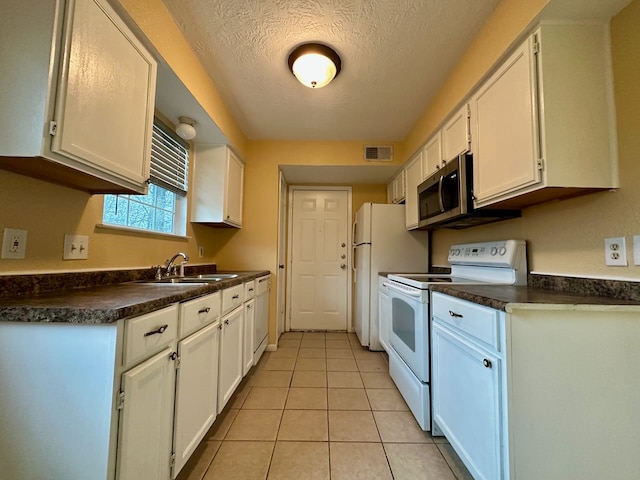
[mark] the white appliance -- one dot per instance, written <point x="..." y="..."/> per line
<point x="501" y="262"/>
<point x="260" y="340"/>
<point x="381" y="243"/>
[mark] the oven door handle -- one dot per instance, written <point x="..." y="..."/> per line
<point x="440" y="193"/>
<point x="409" y="293"/>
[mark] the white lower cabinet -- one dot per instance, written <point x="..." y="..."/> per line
<point x="521" y="393"/>
<point x="466" y="400"/>
<point x="249" y="325"/>
<point x="144" y="438"/>
<point x="196" y="392"/>
<point x="230" y="366"/>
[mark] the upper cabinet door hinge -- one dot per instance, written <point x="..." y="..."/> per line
<point x="120" y="404"/>
<point x="541" y="164"/>
<point x="468" y="110"/>
<point x="172" y="463"/>
<point x="536" y="45"/>
<point x="53" y="127"/>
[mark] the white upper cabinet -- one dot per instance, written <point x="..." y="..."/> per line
<point x="432" y="155"/>
<point x="218" y="183"/>
<point x="543" y="123"/>
<point x="78" y="96"/>
<point x="413" y="172"/>
<point x="396" y="188"/>
<point x="455" y="134"/>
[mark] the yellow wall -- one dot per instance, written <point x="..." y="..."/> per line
<point x="567" y="236"/>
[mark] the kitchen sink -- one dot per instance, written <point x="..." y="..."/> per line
<point x="214" y="277"/>
<point x="178" y="281"/>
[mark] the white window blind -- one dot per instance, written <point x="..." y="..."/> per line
<point x="169" y="159"/>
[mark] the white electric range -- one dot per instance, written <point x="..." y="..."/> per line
<point x="500" y="262"/>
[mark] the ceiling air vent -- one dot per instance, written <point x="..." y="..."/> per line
<point x="378" y="154"/>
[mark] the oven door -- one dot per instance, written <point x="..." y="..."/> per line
<point x="409" y="335"/>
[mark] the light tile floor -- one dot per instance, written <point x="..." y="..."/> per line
<point x="321" y="407"/>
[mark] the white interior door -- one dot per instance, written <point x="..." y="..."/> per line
<point x="320" y="248"/>
<point x="282" y="253"/>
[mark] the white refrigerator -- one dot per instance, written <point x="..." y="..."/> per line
<point x="381" y="243"/>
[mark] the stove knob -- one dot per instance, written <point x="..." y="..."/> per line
<point x="503" y="250"/>
<point x="494" y="250"/>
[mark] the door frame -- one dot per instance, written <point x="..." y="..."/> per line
<point x="319" y="188"/>
<point x="282" y="274"/>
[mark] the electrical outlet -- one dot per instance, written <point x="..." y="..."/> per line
<point x="14" y="244"/>
<point x="76" y="247"/>
<point x="615" y="252"/>
<point x="200" y="251"/>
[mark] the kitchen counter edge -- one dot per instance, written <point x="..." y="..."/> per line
<point x="109" y="303"/>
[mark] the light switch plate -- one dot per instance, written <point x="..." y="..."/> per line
<point x="14" y="244"/>
<point x="76" y="247"/>
<point x="615" y="252"/>
<point x="636" y="249"/>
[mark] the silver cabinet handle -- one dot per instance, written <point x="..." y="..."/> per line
<point x="454" y="314"/>
<point x="204" y="310"/>
<point x="158" y="331"/>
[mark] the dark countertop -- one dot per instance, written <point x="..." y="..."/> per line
<point x="107" y="303"/>
<point x="498" y="297"/>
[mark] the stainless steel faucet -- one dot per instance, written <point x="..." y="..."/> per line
<point x="170" y="268"/>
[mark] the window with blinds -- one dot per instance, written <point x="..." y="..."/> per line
<point x="169" y="159"/>
<point x="163" y="208"/>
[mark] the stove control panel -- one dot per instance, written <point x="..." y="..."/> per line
<point x="504" y="253"/>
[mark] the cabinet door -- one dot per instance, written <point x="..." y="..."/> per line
<point x="249" y="322"/>
<point x="104" y="107"/>
<point x="230" y="366"/>
<point x="414" y="178"/>
<point x="399" y="187"/>
<point x="505" y="140"/>
<point x="196" y="391"/>
<point x="466" y="384"/>
<point x="455" y="134"/>
<point x="432" y="155"/>
<point x="233" y="190"/>
<point x="146" y="419"/>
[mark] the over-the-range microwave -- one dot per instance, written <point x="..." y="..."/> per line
<point x="445" y="199"/>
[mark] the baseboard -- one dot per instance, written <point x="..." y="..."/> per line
<point x="271" y="347"/>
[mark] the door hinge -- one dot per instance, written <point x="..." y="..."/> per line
<point x="53" y="127"/>
<point x="536" y="46"/>
<point x="172" y="463"/>
<point x="178" y="361"/>
<point x="541" y="164"/>
<point x="120" y="405"/>
<point x="468" y="110"/>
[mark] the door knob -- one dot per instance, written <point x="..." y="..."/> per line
<point x="343" y="266"/>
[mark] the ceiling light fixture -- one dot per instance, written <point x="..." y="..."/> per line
<point x="314" y="64"/>
<point x="185" y="129"/>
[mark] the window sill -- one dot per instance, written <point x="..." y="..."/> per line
<point x="140" y="232"/>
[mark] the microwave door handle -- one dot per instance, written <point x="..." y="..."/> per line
<point x="440" y="193"/>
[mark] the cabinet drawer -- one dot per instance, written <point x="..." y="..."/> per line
<point x="249" y="290"/>
<point x="198" y="313"/>
<point x="477" y="321"/>
<point x="148" y="334"/>
<point x="232" y="297"/>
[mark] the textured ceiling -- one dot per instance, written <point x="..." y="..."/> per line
<point x="395" y="55"/>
